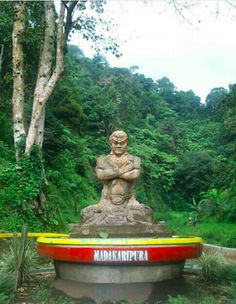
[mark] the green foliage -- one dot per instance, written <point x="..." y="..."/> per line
<point x="177" y="145"/>
<point x="16" y="263"/>
<point x="6" y="154"/>
<point x="214" y="102"/>
<point x="232" y="293"/>
<point x="209" y="300"/>
<point x="195" y="173"/>
<point x="198" y="209"/>
<point x="215" y="270"/>
<point x="209" y="228"/>
<point x="211" y="267"/>
<point x="157" y="167"/>
<point x="187" y="149"/>
<point x="45" y="294"/>
<point x="20" y="185"/>
<point x="19" y="260"/>
<point x="220" y="203"/>
<point x="178" y="300"/>
<point x="22" y="182"/>
<point x="229" y="111"/>
<point x="7" y="287"/>
<point x="228" y="199"/>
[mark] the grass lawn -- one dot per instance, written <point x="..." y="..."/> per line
<point x="212" y="231"/>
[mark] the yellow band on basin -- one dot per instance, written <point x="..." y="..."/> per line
<point x="120" y="241"/>
<point x="34" y="235"/>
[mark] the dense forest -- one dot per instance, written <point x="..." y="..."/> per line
<point x="187" y="148"/>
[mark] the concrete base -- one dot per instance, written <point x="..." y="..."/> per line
<point x="117" y="274"/>
<point x="133" y="293"/>
<point x="113" y="283"/>
<point x="112" y="293"/>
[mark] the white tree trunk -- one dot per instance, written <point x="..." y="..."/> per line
<point x="46" y="81"/>
<point x="45" y="65"/>
<point x="40" y="131"/>
<point x="18" y="76"/>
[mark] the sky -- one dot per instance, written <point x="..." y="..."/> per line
<point x="194" y="48"/>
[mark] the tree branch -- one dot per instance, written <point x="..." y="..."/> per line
<point x="68" y="24"/>
<point x="230" y="3"/>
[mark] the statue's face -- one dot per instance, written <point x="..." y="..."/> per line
<point x="119" y="147"/>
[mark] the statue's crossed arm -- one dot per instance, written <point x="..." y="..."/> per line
<point x="106" y="170"/>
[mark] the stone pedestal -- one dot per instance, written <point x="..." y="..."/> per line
<point x="137" y="230"/>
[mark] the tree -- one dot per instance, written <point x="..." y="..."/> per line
<point x="56" y="31"/>
<point x="195" y="173"/>
<point x="166" y="89"/>
<point x="229" y="111"/>
<point x="214" y="101"/>
<point x="46" y="79"/>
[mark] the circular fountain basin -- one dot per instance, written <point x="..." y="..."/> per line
<point x="112" y="268"/>
<point x="117" y="251"/>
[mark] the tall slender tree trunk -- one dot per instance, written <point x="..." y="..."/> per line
<point x="18" y="76"/>
<point x="46" y="79"/>
<point x="45" y="65"/>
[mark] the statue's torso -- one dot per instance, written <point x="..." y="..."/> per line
<point x="117" y="191"/>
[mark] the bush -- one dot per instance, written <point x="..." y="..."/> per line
<point x="184" y="300"/>
<point x="211" y="267"/>
<point x="232" y="293"/>
<point x="7" y="286"/>
<point x="195" y="173"/>
<point x="215" y="270"/>
<point x="178" y="300"/>
<point x="45" y="295"/>
<point x="209" y="300"/>
<point x="20" y="259"/>
<point x="8" y="262"/>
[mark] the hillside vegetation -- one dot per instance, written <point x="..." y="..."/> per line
<point x="187" y="148"/>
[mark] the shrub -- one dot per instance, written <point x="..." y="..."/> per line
<point x="45" y="295"/>
<point x="7" y="286"/>
<point x="215" y="270"/>
<point x="178" y="300"/>
<point x="209" y="300"/>
<point x="8" y="263"/>
<point x="211" y="267"/>
<point x="232" y="293"/>
<point x="184" y="300"/>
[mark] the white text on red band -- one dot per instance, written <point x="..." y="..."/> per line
<point x="120" y="255"/>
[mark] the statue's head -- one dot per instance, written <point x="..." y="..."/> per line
<point x="119" y="142"/>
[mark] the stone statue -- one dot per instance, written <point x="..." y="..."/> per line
<point x="118" y="204"/>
